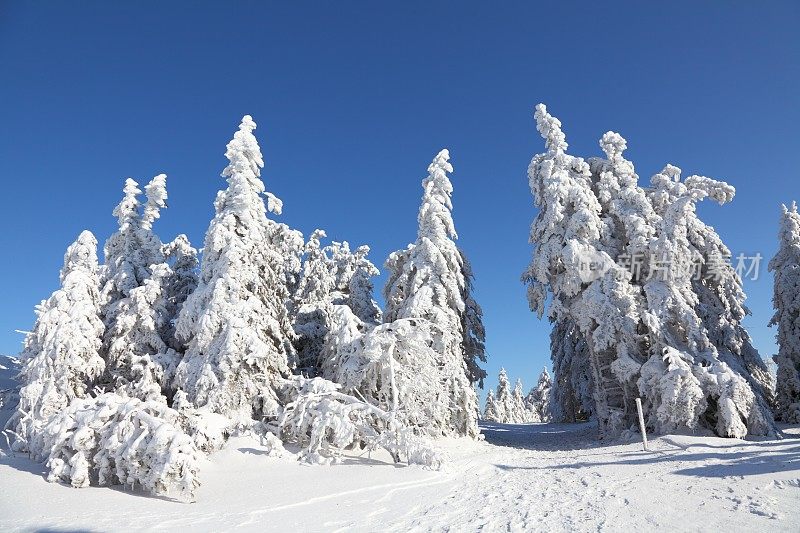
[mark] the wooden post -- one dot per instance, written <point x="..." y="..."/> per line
<point x="641" y="422"/>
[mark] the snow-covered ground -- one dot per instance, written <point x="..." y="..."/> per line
<point x="546" y="477"/>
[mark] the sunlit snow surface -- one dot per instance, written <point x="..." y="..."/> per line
<point x="543" y="477"/>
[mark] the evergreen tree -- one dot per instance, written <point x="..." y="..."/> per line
<point x="235" y="324"/>
<point x="647" y="333"/>
<point x="518" y="405"/>
<point x="136" y="310"/>
<point x="61" y="361"/>
<point x="181" y="258"/>
<point x="539" y="398"/>
<point x="505" y="409"/>
<point x="786" y="299"/>
<point x="311" y="303"/>
<point x="572" y="387"/>
<point x="490" y="412"/>
<point x="427" y="280"/>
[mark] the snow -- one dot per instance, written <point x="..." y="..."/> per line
<point x="547" y="477"/>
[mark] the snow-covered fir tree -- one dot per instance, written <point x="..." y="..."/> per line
<point x="537" y="402"/>
<point x="182" y="260"/>
<point x="361" y="289"/>
<point x="644" y="327"/>
<point x="572" y="387"/>
<point x="235" y="324"/>
<point x="503" y="402"/>
<point x="786" y="299"/>
<point x="141" y="363"/>
<point x="518" y="412"/>
<point x="137" y="311"/>
<point x="311" y="304"/>
<point x="427" y="280"/>
<point x="61" y="360"/>
<point x="490" y="411"/>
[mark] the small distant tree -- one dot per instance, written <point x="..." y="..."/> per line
<point x="503" y="401"/>
<point x="61" y="360"/>
<point x="490" y="412"/>
<point x="519" y="416"/>
<point x="786" y="299"/>
<point x="539" y="398"/>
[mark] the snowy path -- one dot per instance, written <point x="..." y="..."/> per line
<point x="540" y="478"/>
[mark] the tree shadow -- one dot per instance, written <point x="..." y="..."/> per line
<point x="543" y="437"/>
<point x="750" y="458"/>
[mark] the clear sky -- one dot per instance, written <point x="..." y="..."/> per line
<point x="353" y="100"/>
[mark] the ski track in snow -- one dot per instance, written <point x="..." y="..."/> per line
<point x="549" y="477"/>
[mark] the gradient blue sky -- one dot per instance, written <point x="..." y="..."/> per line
<point x="353" y="100"/>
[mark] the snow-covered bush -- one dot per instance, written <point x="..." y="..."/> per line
<point x="430" y="280"/>
<point x="617" y="260"/>
<point x="396" y="366"/>
<point x="60" y="361"/>
<point x="786" y="299"/>
<point x="117" y="440"/>
<point x="324" y="422"/>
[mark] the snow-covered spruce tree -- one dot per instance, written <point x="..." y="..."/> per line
<point x="427" y="280"/>
<point x="181" y="258"/>
<point x="572" y="387"/>
<point x="644" y="328"/>
<point x="61" y="361"/>
<point x="141" y="363"/>
<point x="538" y="400"/>
<point x="518" y="416"/>
<point x="311" y="305"/>
<point x="474" y="342"/>
<point x="137" y="310"/>
<point x="360" y="288"/>
<point x="503" y="402"/>
<point x="490" y="411"/>
<point x="786" y="299"/>
<point x="235" y="324"/>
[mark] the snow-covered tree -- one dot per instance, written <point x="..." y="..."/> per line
<point x="131" y="250"/>
<point x="324" y="421"/>
<point x="311" y="305"/>
<point x="647" y="325"/>
<point x="181" y="258"/>
<point x="360" y="288"/>
<point x="138" y="310"/>
<point x="235" y="324"/>
<point x="139" y="360"/>
<point x="396" y="366"/>
<point x="537" y="402"/>
<point x="61" y="361"/>
<point x="518" y="414"/>
<point x="572" y="387"/>
<point x="490" y="411"/>
<point x="786" y="299"/>
<point x="503" y="402"/>
<point x="427" y="280"/>
<point x="330" y="276"/>
<point x="472" y="325"/>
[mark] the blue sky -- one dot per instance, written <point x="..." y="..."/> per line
<point x="353" y="100"/>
